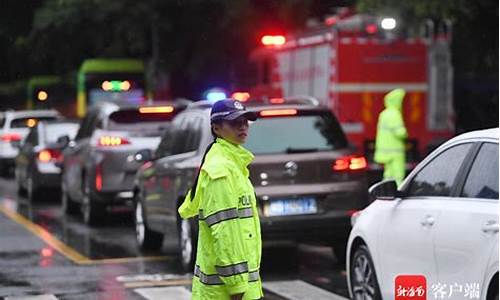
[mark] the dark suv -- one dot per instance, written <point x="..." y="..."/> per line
<point x="307" y="179"/>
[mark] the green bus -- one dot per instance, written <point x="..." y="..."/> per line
<point x="110" y="79"/>
<point x="51" y="92"/>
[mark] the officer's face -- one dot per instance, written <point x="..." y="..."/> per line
<point x="235" y="131"/>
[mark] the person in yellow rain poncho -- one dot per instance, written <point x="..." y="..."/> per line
<point x="391" y="137"/>
<point x="229" y="241"/>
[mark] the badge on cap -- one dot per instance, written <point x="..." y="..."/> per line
<point x="238" y="105"/>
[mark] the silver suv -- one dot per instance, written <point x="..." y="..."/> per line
<point x="98" y="165"/>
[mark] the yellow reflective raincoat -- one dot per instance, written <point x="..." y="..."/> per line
<point x="391" y="137"/>
<point x="229" y="241"/>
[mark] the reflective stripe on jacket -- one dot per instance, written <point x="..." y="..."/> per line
<point x="229" y="241"/>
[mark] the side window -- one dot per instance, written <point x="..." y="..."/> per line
<point x="31" y="138"/>
<point x="437" y="177"/>
<point x="2" y="121"/>
<point x="87" y="126"/>
<point x="180" y="136"/>
<point x="83" y="127"/>
<point x="482" y="181"/>
<point x="194" y="134"/>
<point x="165" y="146"/>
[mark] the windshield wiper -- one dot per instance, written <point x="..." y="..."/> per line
<point x="301" y="150"/>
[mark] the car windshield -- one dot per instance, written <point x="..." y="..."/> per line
<point x="137" y="123"/>
<point x="298" y="134"/>
<point x="28" y="121"/>
<point x="54" y="131"/>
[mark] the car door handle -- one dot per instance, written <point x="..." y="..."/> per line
<point x="427" y="221"/>
<point x="490" y="226"/>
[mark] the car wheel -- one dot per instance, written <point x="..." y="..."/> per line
<point x="67" y="204"/>
<point x="188" y="243"/>
<point x="146" y="238"/>
<point x="31" y="190"/>
<point x="91" y="211"/>
<point x="364" y="284"/>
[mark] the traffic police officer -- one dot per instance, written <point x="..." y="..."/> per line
<point x="391" y="137"/>
<point x="229" y="242"/>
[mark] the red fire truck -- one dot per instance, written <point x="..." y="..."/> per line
<point x="350" y="63"/>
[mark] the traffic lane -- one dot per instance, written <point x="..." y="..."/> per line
<point x="29" y="266"/>
<point x="113" y="243"/>
<point x="313" y="264"/>
<point x="42" y="251"/>
<point x="114" y="238"/>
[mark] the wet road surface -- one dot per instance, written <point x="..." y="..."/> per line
<point x="44" y="252"/>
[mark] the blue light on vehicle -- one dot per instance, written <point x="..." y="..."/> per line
<point x="215" y="94"/>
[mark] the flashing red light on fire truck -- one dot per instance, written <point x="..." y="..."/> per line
<point x="273" y="40"/>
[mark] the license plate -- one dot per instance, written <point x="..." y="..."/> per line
<point x="286" y="207"/>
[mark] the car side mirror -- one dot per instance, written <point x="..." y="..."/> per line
<point x="384" y="190"/>
<point x="63" y="141"/>
<point x="143" y="155"/>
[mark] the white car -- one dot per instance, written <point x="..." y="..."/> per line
<point x="442" y="224"/>
<point x="14" y="126"/>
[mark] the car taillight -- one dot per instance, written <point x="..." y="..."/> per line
<point x="350" y="163"/>
<point x="98" y="178"/>
<point x="47" y="155"/>
<point x="10" y="137"/>
<point x="110" y="141"/>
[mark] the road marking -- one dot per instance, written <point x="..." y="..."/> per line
<point x="299" y="290"/>
<point x="149" y="286"/>
<point x="66" y="250"/>
<point x="178" y="282"/>
<point x="165" y="293"/>
<point x="151" y="280"/>
<point x="39" y="297"/>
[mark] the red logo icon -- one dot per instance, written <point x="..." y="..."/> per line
<point x="410" y="287"/>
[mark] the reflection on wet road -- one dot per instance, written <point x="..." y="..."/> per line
<point x="44" y="252"/>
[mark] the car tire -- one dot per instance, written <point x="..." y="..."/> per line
<point x="364" y="284"/>
<point x="91" y="210"/>
<point x="188" y="241"/>
<point x="146" y="239"/>
<point x="68" y="206"/>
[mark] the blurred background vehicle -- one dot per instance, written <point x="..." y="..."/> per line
<point x="113" y="79"/>
<point x="441" y="223"/>
<point x="39" y="154"/>
<point x="98" y="165"/>
<point x="307" y="179"/>
<point x="51" y="92"/>
<point x="14" y="126"/>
